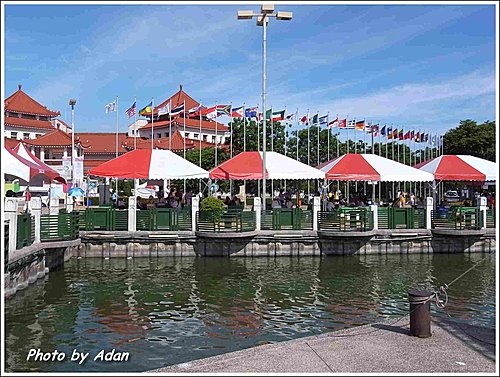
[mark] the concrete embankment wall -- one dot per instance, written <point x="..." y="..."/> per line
<point x="292" y="243"/>
<point x="33" y="262"/>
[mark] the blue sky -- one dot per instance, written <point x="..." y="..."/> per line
<point x="416" y="66"/>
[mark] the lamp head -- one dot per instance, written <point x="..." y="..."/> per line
<point x="286" y="16"/>
<point x="72" y="102"/>
<point x="267" y="8"/>
<point x="245" y="14"/>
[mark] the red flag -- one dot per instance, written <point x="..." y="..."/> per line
<point x="304" y="120"/>
<point x="343" y="123"/>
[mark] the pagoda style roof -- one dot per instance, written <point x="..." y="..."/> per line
<point x="190" y="122"/>
<point x="28" y="123"/>
<point x="20" y="102"/>
<point x="56" y="138"/>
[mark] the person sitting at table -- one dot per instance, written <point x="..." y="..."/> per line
<point x="330" y="205"/>
<point x="276" y="203"/>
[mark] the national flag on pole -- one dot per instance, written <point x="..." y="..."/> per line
<point x="146" y="109"/>
<point x="382" y="131"/>
<point x="343" y="123"/>
<point x="314" y="119"/>
<point x="401" y="135"/>
<point x="110" y="107"/>
<point x="164" y="110"/>
<point x="407" y="135"/>
<point x="374" y="129"/>
<point x="131" y="111"/>
<point x="251" y="112"/>
<point x="433" y="140"/>
<point x="179" y="109"/>
<point x="417" y="137"/>
<point x="304" y="120"/>
<point x="210" y="112"/>
<point x="195" y="110"/>
<point x="237" y="112"/>
<point x="389" y="132"/>
<point x="334" y="123"/>
<point x="278" y="115"/>
<point x="360" y="125"/>
<point x="223" y="110"/>
<point x="351" y="124"/>
<point x="323" y="120"/>
<point x="290" y="116"/>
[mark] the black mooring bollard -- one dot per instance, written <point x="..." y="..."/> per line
<point x="420" y="313"/>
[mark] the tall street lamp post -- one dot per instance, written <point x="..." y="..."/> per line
<point x="266" y="11"/>
<point x="72" y="103"/>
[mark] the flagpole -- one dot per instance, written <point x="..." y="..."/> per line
<point x="135" y="125"/>
<point x="152" y="123"/>
<point x="258" y="137"/>
<point x="347" y="128"/>
<point x="231" y="136"/>
<point x="216" y="133"/>
<point x="286" y="130"/>
<point x="364" y="138"/>
<point x="317" y="141"/>
<point x="200" y="136"/>
<point x="308" y="142"/>
<point x="298" y="126"/>
<point x="329" y="132"/>
<point x="272" y="129"/>
<point x="170" y="125"/>
<point x="184" y="138"/>
<point x="244" y="129"/>
<point x="116" y="141"/>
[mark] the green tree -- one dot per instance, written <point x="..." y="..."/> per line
<point x="472" y="138"/>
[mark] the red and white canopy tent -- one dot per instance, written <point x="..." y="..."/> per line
<point x="371" y="167"/>
<point x="18" y="166"/>
<point x="248" y="165"/>
<point x="460" y="168"/>
<point x="21" y="151"/>
<point x="149" y="164"/>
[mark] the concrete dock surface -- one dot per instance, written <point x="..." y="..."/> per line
<point x="384" y="347"/>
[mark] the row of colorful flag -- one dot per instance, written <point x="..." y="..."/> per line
<point x="241" y="112"/>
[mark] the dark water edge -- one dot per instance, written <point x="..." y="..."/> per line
<point x="170" y="310"/>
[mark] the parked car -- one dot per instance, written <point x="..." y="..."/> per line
<point x="452" y="196"/>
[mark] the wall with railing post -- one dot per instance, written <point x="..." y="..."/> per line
<point x="36" y="212"/>
<point x="70" y="203"/>
<point x="132" y="214"/>
<point x="10" y="211"/>
<point x="195" y="207"/>
<point x="483" y="208"/>
<point x="429" y="207"/>
<point x="257" y="207"/>
<point x="374" y="213"/>
<point x="316" y="209"/>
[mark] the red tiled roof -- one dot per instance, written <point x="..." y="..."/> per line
<point x="20" y="102"/>
<point x="102" y="142"/>
<point x="56" y="138"/>
<point x="190" y="122"/>
<point x="28" y="123"/>
<point x="11" y="143"/>
<point x="176" y="100"/>
<point x="163" y="143"/>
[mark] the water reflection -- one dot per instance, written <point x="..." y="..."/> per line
<point x="170" y="310"/>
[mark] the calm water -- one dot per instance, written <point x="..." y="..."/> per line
<point x="167" y="311"/>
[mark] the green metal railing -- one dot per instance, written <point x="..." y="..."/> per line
<point x="346" y="219"/>
<point x="458" y="218"/>
<point x="490" y="218"/>
<point x="229" y="221"/>
<point x="25" y="230"/>
<point x="401" y="218"/>
<point x="60" y="227"/>
<point x="286" y="218"/>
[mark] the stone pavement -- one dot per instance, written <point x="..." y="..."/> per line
<point x="378" y="348"/>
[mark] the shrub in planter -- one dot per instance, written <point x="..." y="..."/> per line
<point x="211" y="208"/>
